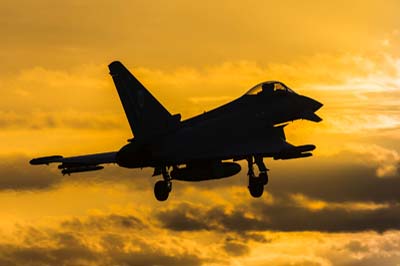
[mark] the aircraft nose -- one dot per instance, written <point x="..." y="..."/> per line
<point x="309" y="107"/>
<point x="312" y="104"/>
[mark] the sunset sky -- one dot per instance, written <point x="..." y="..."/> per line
<point x="340" y="207"/>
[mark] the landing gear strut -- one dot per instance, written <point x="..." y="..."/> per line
<point x="256" y="184"/>
<point x="163" y="187"/>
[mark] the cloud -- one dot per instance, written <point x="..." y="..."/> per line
<point x="17" y="175"/>
<point x="183" y="218"/>
<point x="112" y="242"/>
<point x="343" y="177"/>
<point x="284" y="214"/>
<point x="104" y="222"/>
<point x="357" y="247"/>
<point x="317" y="205"/>
<point x="38" y="89"/>
<point x="105" y="239"/>
<point x="71" y="251"/>
<point x="288" y="217"/>
<point x="56" y="120"/>
<point x="65" y="249"/>
<point x="387" y="160"/>
<point x="367" y="251"/>
<point x="235" y="248"/>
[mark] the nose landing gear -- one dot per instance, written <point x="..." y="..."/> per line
<point x="257" y="183"/>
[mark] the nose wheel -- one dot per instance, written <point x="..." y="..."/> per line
<point x="162" y="188"/>
<point x="257" y="183"/>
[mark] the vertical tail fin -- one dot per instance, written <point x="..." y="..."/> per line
<point x="146" y="116"/>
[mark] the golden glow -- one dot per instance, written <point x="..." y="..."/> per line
<point x="57" y="98"/>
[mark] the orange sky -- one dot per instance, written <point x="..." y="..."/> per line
<point x="340" y="207"/>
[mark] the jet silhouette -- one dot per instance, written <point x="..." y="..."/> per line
<point x="203" y="147"/>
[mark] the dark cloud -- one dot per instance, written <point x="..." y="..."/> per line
<point x="110" y="240"/>
<point x="286" y="216"/>
<point x="77" y="245"/>
<point x="15" y="254"/>
<point x="283" y="215"/>
<point x="188" y="217"/>
<point x="125" y="222"/>
<point x="234" y="248"/>
<point x="246" y="236"/>
<point x="154" y="258"/>
<point x="11" y="255"/>
<point x="339" y="178"/>
<point x="183" y="218"/>
<point x="356" y="247"/>
<point x="333" y="179"/>
<point x="113" y="242"/>
<point x="16" y="174"/>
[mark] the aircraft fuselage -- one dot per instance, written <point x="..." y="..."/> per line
<point x="249" y="117"/>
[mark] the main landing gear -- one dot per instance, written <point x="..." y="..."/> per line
<point x="256" y="184"/>
<point x="163" y="187"/>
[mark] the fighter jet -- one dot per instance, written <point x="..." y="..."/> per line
<point x="204" y="147"/>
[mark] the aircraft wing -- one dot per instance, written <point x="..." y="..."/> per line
<point x="271" y="143"/>
<point x="76" y="164"/>
<point x="276" y="148"/>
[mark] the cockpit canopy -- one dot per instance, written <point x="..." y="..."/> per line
<point x="269" y="87"/>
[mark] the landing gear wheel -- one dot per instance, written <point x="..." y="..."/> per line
<point x="162" y="189"/>
<point x="256" y="189"/>
<point x="264" y="178"/>
<point x="256" y="184"/>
